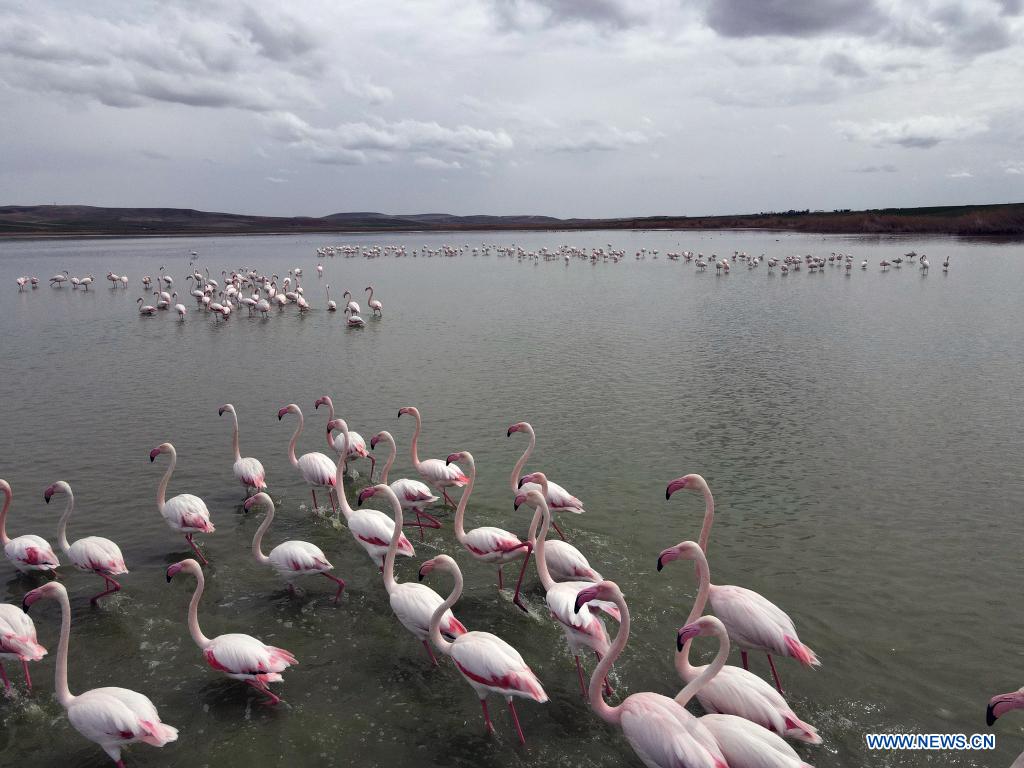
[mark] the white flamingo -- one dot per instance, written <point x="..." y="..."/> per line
<point x="184" y="513"/>
<point x="316" y="468"/>
<point x="28" y="553"/>
<point x="248" y="471"/>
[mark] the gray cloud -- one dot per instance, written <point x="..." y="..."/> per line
<point x="887" y="168"/>
<point x="843" y="65"/>
<point x="921" y="132"/>
<point x="792" y="18"/>
<point x="522" y="14"/>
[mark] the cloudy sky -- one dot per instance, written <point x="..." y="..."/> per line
<point x="559" y="107"/>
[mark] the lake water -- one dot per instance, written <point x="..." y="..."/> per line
<point x="862" y="435"/>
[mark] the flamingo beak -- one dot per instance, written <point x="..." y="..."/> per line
<point x="47" y="494"/>
<point x="452" y="457"/>
<point x="521" y="481"/>
<point x="246" y="506"/>
<point x="154" y="453"/>
<point x="220" y="411"/>
<point x="584" y="597"/>
<point x="1001" y="704"/>
<point x="520" y="499"/>
<point x="400" y="412"/>
<point x="426" y="568"/>
<point x="29" y="599"/>
<point x="373" y="442"/>
<point x="366" y="493"/>
<point x="173" y="571"/>
<point x="281" y="413"/>
<point x="674" y="486"/>
<point x="685" y="633"/>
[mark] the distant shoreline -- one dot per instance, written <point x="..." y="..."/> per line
<point x="68" y="222"/>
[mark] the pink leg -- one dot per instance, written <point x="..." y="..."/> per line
<point x="334" y="509"/>
<point x="341" y="585"/>
<point x="501" y="581"/>
<point x="558" y="530"/>
<point x="522" y="572"/>
<point x="3" y="674"/>
<point x="447" y="498"/>
<point x="430" y="653"/>
<point x="515" y="721"/>
<point x="262" y="688"/>
<point x="313" y="491"/>
<point x="775" y="675"/>
<point x="579" y="673"/>
<point x="743" y="658"/>
<point x="28" y="678"/>
<point x="111" y="587"/>
<point x="373" y="466"/>
<point x="487" y="717"/>
<point x="203" y="560"/>
<point x="120" y="764"/>
<point x="419" y="521"/>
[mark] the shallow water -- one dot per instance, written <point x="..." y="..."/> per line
<point x="861" y="434"/>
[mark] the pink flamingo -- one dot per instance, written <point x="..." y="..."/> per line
<point x="488" y="544"/>
<point x="374" y="304"/>
<point x="110" y="717"/>
<point x="93" y="554"/>
<point x="485" y="661"/>
<point x="435" y="472"/>
<point x="371" y="528"/>
<point x="357" y="446"/>
<point x="184" y="513"/>
<point x="564" y="561"/>
<point x="754" y="623"/>
<point x="559" y="499"/>
<point x="412" y="494"/>
<point x="18" y="641"/>
<point x="733" y="691"/>
<point x="583" y="628"/>
<point x="248" y="471"/>
<point x="662" y="733"/>
<point x="241" y="657"/>
<point x="27" y="553"/>
<point x="743" y="743"/>
<point x="316" y="469"/>
<point x="998" y="706"/>
<point x="412" y="602"/>
<point x="290" y="559"/>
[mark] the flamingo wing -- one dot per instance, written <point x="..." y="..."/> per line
<point x="747" y="745"/>
<point x="412" y="493"/>
<point x="317" y="469"/>
<point x="18" y="634"/>
<point x="110" y="716"/>
<point x="187" y="513"/>
<point x="665" y="735"/>
<point x="488" y="540"/>
<point x="95" y="553"/>
<point x="245" y="656"/>
<point x="561" y="500"/>
<point x="414" y="604"/>
<point x="566" y="563"/>
<point x="489" y="661"/>
<point x="250" y="472"/>
<point x="437" y="472"/>
<point x="755" y="622"/>
<point x="373" y="530"/>
<point x="298" y="557"/>
<point x="31" y="552"/>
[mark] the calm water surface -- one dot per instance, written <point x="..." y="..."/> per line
<point x="862" y="435"/>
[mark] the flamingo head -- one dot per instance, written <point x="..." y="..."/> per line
<point x="226" y="407"/>
<point x="367" y="492"/>
<point x="521" y="426"/>
<point x="457" y="456"/>
<point x="258" y="498"/>
<point x="325" y="400"/>
<point x="1003" y="703"/>
<point x="185" y="565"/>
<point x="704" y="626"/>
<point x="368" y="288"/>
<point x="49" y="589"/>
<point x="162" y="448"/>
<point x="408" y="409"/>
<point x="376" y="439"/>
<point x="334" y="424"/>
<point x="534" y="477"/>
<point x="59" y="487"/>
<point x="687" y="550"/>
<point x="520" y="499"/>
<point x="605" y="590"/>
<point x="692" y="482"/>
<point x="290" y="408"/>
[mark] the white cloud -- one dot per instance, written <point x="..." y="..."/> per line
<point x="921" y="132"/>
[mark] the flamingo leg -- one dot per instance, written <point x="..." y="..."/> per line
<point x="775" y="675"/>
<point x="373" y="466"/>
<point x="487" y="717"/>
<point x="501" y="581"/>
<point x="7" y="683"/>
<point x="334" y="509"/>
<point x="341" y="585"/>
<point x="522" y="572"/>
<point x="558" y="530"/>
<point x="743" y="658"/>
<point x="433" y="660"/>
<point x="313" y="491"/>
<point x="262" y="688"/>
<point x="203" y="560"/>
<point x="447" y="498"/>
<point x="579" y="673"/>
<point x="111" y="587"/>
<point x="28" y="677"/>
<point x="515" y="721"/>
<point x="120" y="764"/>
<point x="419" y="522"/>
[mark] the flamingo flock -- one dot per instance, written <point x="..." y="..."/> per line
<point x="747" y="719"/>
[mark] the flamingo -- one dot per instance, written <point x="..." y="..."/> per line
<point x="184" y="513"/>
<point x="733" y="691"/>
<point x="27" y="553"/>
<point x="316" y="469"/>
<point x="58" y="280"/>
<point x="332" y="306"/>
<point x="18" y="642"/>
<point x="93" y="554"/>
<point x="559" y="499"/>
<point x="180" y="309"/>
<point x="412" y="602"/>
<point x="564" y="561"/>
<point x="998" y="706"/>
<point x="743" y="743"/>
<point x="240" y="657"/>
<point x="488" y="544"/>
<point x="357" y="445"/>
<point x="145" y="309"/>
<point x="754" y="623"/>
<point x="352" y="306"/>
<point x="434" y="472"/>
<point x="485" y="661"/>
<point x="248" y="471"/>
<point x="374" y="304"/>
<point x="662" y="733"/>
<point x="371" y="528"/>
<point x="291" y="558"/>
<point x="412" y="494"/>
<point x="353" y="320"/>
<point x="582" y="628"/>
<point x="110" y="717"/>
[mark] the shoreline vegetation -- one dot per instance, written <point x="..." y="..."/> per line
<point x="60" y="221"/>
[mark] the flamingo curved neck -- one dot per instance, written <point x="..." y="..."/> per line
<point x="391" y="458"/>
<point x="460" y="511"/>
<point x="193" y="611"/>
<point x="542" y="563"/>
<point x="389" y="559"/>
<point x="416" y="439"/>
<point x="709" y="518"/>
<point x="371" y="295"/>
<point x="62" y="537"/>
<point x="162" y="489"/>
<point x="683" y="667"/>
<point x="4" y="538"/>
<point x="234" y="439"/>
<point x="518" y="469"/>
<point x="531" y="534"/>
<point x="339" y="475"/>
<point x="257" y="540"/>
<point x="439" y="641"/>
<point x="595" y="692"/>
<point x="694" y="686"/>
<point x="295" y="439"/>
<point x="330" y="417"/>
<point x="60" y="684"/>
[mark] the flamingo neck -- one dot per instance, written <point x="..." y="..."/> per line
<point x="460" y="511"/>
<point x="694" y="686"/>
<point x="518" y="469"/>
<point x="596" y="690"/>
<point x="62" y="531"/>
<point x="193" y="611"/>
<point x="440" y="642"/>
<point x="532" y="532"/>
<point x="295" y="439"/>
<point x="339" y="476"/>
<point x="330" y="418"/>
<point x="709" y="519"/>
<point x="161" y="490"/>
<point x="234" y="439"/>
<point x="416" y="439"/>
<point x="257" y="540"/>
<point x="683" y="667"/>
<point x="389" y="559"/>
<point x="542" y="564"/>
<point x="391" y="459"/>
<point x="4" y="538"/>
<point x="60" y="683"/>
<point x="371" y="295"/>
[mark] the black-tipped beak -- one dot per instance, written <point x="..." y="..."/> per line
<point x="420" y="575"/>
<point x="579" y="603"/>
<point x="668" y="494"/>
<point x="520" y="482"/>
<point x="515" y="505"/>
<point x="990" y="716"/>
<point x="679" y="643"/>
<point x="24" y="607"/>
<point x="509" y="433"/>
<point x="660" y="563"/>
<point x="152" y="458"/>
<point x="399" y="414"/>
